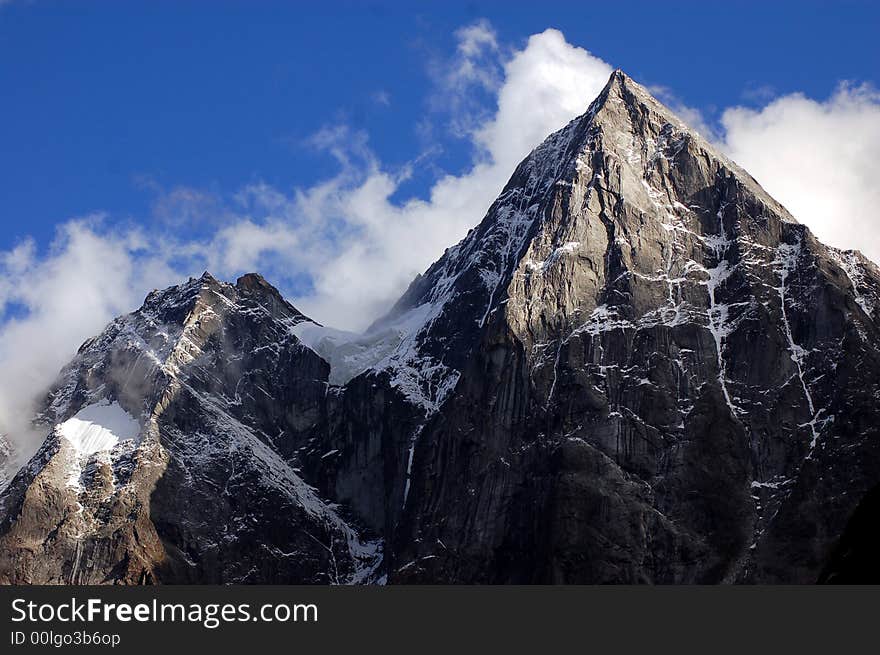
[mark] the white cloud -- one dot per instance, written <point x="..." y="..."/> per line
<point x="86" y="279"/>
<point x="380" y="245"/>
<point x="545" y="86"/>
<point x="474" y="64"/>
<point x="466" y="80"/>
<point x="819" y="159"/>
<point x="242" y="245"/>
<point x="691" y="116"/>
<point x="358" y="245"/>
<point x="476" y="37"/>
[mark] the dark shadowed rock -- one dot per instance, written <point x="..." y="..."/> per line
<point x="638" y="368"/>
<point x="223" y="397"/>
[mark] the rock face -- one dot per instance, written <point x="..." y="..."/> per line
<point x="206" y="488"/>
<point x="637" y="368"/>
<point x="6" y="459"/>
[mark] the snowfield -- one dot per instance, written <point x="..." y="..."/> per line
<point x="98" y="428"/>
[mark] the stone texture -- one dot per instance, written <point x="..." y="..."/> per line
<point x="648" y="371"/>
<point x="638" y="368"/>
<point x="226" y="397"/>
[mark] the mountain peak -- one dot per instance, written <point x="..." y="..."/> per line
<point x="622" y="90"/>
<point x="251" y="281"/>
<point x="636" y="368"/>
<point x="207" y="290"/>
<point x="634" y="122"/>
<point x="618" y="78"/>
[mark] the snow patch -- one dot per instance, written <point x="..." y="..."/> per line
<point x="718" y="312"/>
<point x="350" y="353"/>
<point x="98" y="428"/>
<point x="786" y="263"/>
<point x="852" y="268"/>
<point x="541" y="266"/>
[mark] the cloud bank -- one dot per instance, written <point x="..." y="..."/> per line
<point x="819" y="159"/>
<point x="52" y="303"/>
<point x="350" y="246"/>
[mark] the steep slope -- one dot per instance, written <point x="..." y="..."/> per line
<point x="172" y="453"/>
<point x="5" y="461"/>
<point x="638" y="368"/>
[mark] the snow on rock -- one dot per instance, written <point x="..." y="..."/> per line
<point x="203" y="448"/>
<point x="786" y="263"/>
<point x="849" y="263"/>
<point x="565" y="249"/>
<point x="349" y="353"/>
<point x="6" y="461"/>
<point x="490" y="253"/>
<point x="95" y="431"/>
<point x="99" y="427"/>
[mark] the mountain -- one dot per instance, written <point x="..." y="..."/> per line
<point x="173" y="453"/>
<point x="6" y="460"/>
<point x="637" y="368"/>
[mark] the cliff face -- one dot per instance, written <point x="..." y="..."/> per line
<point x="203" y="485"/>
<point x="637" y="368"/>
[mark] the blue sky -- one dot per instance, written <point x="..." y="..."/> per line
<point x="339" y="148"/>
<point x="105" y="103"/>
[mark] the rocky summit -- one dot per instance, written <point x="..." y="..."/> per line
<point x="638" y="368"/>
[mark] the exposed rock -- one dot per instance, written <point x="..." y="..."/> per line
<point x="637" y="368"/>
<point x="224" y="397"/>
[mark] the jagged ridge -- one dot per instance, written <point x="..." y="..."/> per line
<point x="637" y="368"/>
<point x="223" y="395"/>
